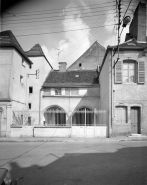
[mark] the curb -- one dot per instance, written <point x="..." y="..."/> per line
<point x="75" y="140"/>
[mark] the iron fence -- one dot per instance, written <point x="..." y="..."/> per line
<point x="59" y="118"/>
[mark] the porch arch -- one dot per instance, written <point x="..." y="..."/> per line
<point x="55" y="116"/>
<point x="83" y="116"/>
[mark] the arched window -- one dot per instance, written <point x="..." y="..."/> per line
<point x="55" y="116"/>
<point x="83" y="117"/>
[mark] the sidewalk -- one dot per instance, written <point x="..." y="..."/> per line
<point x="97" y="139"/>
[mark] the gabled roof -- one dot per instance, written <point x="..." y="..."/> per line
<point x="131" y="44"/>
<point x="87" y="53"/>
<point x="36" y="51"/>
<point x="7" y="39"/>
<point x="71" y="78"/>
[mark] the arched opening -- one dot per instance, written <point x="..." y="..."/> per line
<point x="83" y="117"/>
<point x="55" y="116"/>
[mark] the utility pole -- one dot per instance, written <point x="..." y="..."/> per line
<point x="119" y="23"/>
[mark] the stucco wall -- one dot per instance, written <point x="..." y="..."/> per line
<point x="5" y="71"/>
<point x="104" y="80"/>
<point x="71" y="103"/>
<point x="133" y="94"/>
<point x="19" y="91"/>
<point x="44" y="69"/>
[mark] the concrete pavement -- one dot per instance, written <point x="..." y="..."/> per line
<point x="73" y="139"/>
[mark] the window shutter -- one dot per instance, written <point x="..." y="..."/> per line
<point x="118" y="72"/>
<point x="141" y="72"/>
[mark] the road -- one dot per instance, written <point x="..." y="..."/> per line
<point x="76" y="163"/>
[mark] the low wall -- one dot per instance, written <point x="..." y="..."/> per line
<point x="75" y="131"/>
<point x="88" y="131"/>
<point x="22" y="131"/>
<point x="52" y="132"/>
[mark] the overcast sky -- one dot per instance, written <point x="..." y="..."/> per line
<point x="49" y="23"/>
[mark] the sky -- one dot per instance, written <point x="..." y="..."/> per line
<point x="65" y="29"/>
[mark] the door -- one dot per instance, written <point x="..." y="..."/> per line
<point x="135" y="120"/>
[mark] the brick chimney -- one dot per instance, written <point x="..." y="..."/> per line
<point x="138" y="26"/>
<point x="62" y="66"/>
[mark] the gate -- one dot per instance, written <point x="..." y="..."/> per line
<point x="88" y="123"/>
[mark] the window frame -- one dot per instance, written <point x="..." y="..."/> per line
<point x="139" y="71"/>
<point x="126" y="114"/>
<point x="128" y="71"/>
<point x="58" y="94"/>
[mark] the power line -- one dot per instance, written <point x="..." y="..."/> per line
<point x="61" y="9"/>
<point x="57" y="12"/>
<point x="49" y="20"/>
<point x="83" y="42"/>
<point x="61" y="31"/>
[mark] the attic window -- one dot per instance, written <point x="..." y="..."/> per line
<point x="80" y="64"/>
<point x="131" y="44"/>
<point x="77" y="76"/>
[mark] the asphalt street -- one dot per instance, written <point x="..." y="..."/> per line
<point x="76" y="163"/>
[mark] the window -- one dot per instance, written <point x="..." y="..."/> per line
<point x="29" y="105"/>
<point x="74" y="91"/>
<point x="121" y="114"/>
<point x="47" y="92"/>
<point x="80" y="64"/>
<point x="29" y="120"/>
<point x="67" y="91"/>
<point x="30" y="90"/>
<point x="130" y="71"/>
<point x="21" y="79"/>
<point x="129" y="74"/>
<point x="58" y="91"/>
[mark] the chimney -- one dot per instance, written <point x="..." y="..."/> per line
<point x="62" y="66"/>
<point x="138" y="25"/>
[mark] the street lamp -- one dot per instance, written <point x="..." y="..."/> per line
<point x="126" y="20"/>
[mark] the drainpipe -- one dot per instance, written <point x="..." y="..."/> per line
<point x="110" y="125"/>
<point x="40" y="105"/>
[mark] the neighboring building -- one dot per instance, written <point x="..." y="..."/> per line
<point x="14" y="65"/>
<point x="68" y="104"/>
<point x="90" y="60"/>
<point x="123" y="81"/>
<point x="41" y="67"/>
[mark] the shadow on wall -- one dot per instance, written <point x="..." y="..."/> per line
<point x="126" y="166"/>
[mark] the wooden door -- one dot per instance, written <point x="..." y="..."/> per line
<point x="135" y="120"/>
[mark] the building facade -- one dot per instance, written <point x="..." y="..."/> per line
<point x="14" y="66"/>
<point x="70" y="104"/>
<point x="126" y="81"/>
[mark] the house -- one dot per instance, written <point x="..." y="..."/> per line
<point x="37" y="75"/>
<point x="90" y="60"/>
<point x="14" y="65"/>
<point x="123" y="81"/>
<point x="69" y="104"/>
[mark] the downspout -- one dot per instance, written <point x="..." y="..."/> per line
<point x="40" y="106"/>
<point x="110" y="125"/>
